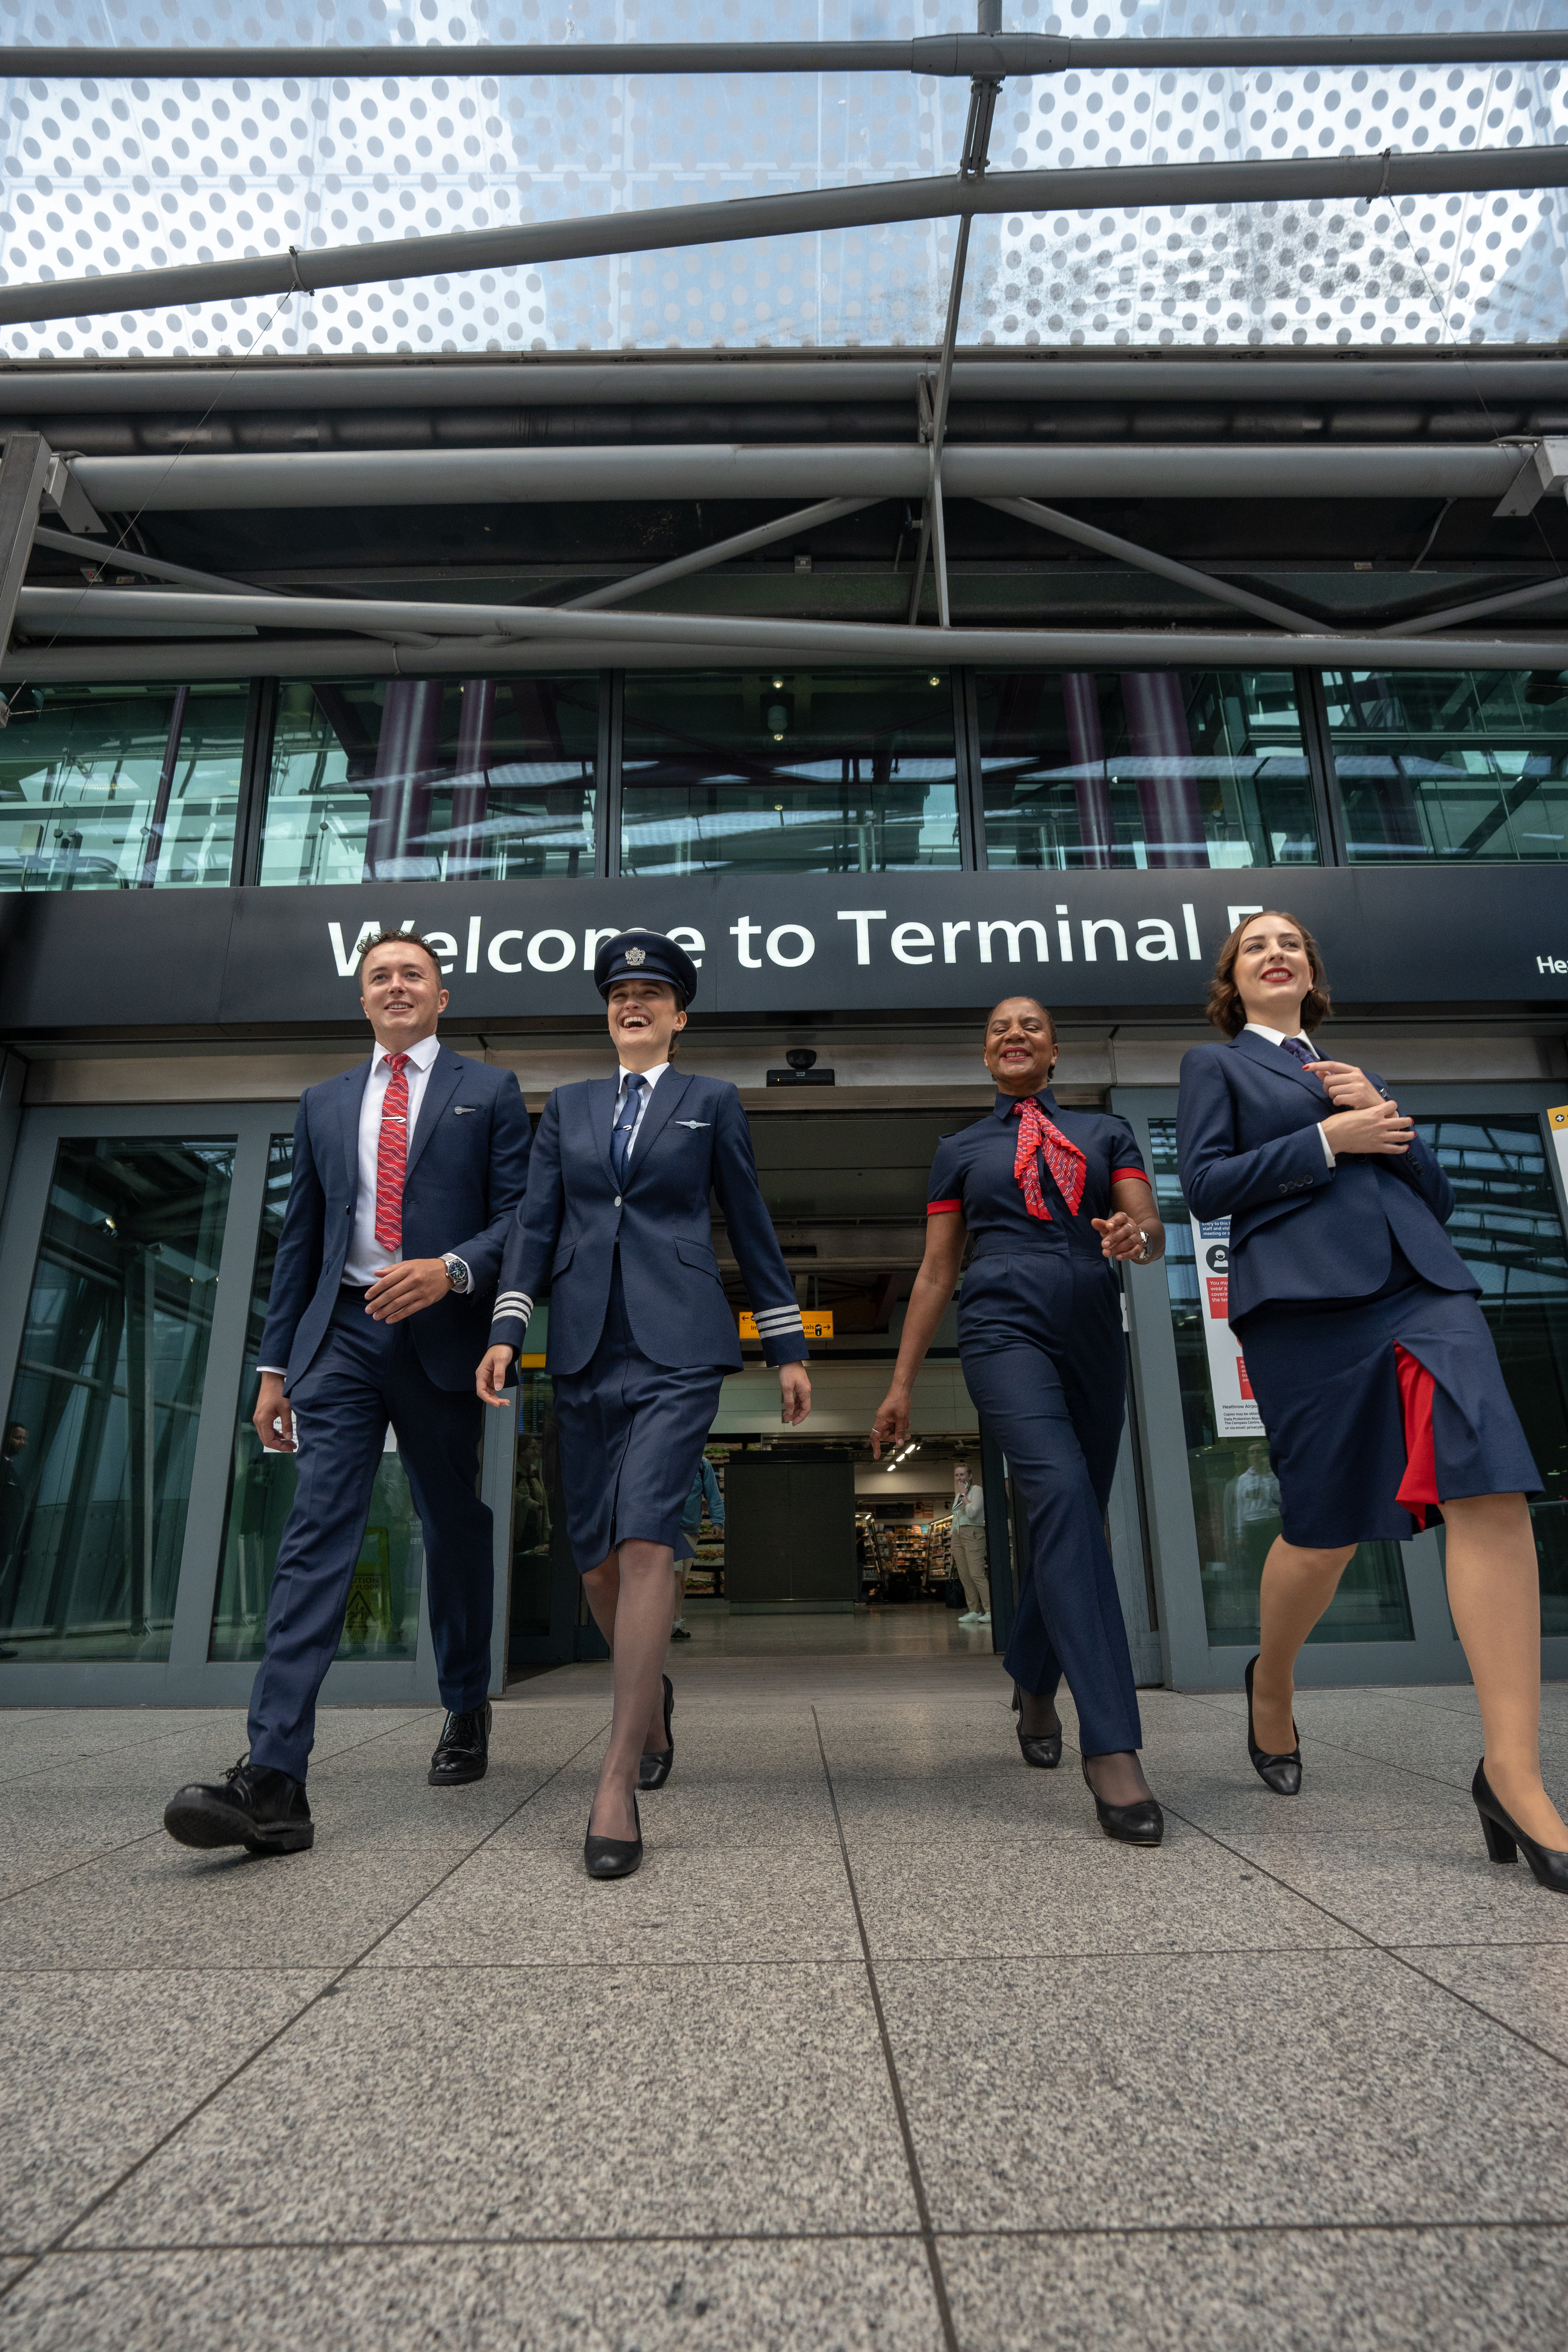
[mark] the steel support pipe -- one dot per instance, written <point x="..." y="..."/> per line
<point x="921" y="648"/>
<point x="97" y="388"/>
<point x="801" y="212"/>
<point x="1145" y="559"/>
<point x="949" y="55"/>
<point x="200" y="483"/>
<point x="723" y="551"/>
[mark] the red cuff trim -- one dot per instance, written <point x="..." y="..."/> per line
<point x="1141" y="1173"/>
<point x="1417" y="1489"/>
<point x="941" y="1208"/>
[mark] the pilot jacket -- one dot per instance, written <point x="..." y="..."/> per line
<point x="641" y="1333"/>
<point x="1044" y="1357"/>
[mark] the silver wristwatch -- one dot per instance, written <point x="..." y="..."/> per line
<point x="1143" y="1254"/>
<point x="454" y="1271"/>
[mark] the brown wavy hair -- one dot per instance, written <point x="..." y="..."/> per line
<point x="1224" y="1007"/>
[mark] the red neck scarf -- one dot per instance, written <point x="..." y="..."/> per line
<point x="1067" y="1163"/>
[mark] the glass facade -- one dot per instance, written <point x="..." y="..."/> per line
<point x="1144" y="768"/>
<point x="1450" y="764"/>
<point x="382" y="1617"/>
<point x="791" y="772"/>
<point x="120" y="787"/>
<point x="95" y="1471"/>
<point x="419" y="780"/>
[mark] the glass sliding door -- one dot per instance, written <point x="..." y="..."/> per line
<point x="100" y="1436"/>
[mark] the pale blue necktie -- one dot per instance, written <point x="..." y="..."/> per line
<point x="625" y="1119"/>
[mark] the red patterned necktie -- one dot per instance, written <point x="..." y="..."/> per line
<point x="392" y="1157"/>
<point x="1067" y="1163"/>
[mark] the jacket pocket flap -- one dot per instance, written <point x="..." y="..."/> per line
<point x="699" y="1255"/>
<point x="563" y="1258"/>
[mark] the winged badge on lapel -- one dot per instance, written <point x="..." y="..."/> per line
<point x="691" y="1122"/>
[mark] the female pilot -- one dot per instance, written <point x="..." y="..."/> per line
<point x="617" y="1219"/>
<point x="1052" y="1198"/>
<point x="1372" y="1364"/>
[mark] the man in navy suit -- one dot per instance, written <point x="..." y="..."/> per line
<point x="407" y="1173"/>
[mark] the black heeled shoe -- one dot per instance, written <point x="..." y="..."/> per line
<point x="1140" y="1825"/>
<point x="605" y="1857"/>
<point x="653" y="1765"/>
<point x="1041" y="1748"/>
<point x="1504" y="1838"/>
<point x="1280" y="1773"/>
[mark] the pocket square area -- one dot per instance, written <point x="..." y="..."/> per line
<point x="464" y="1110"/>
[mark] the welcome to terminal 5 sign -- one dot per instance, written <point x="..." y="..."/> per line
<point x="257" y="961"/>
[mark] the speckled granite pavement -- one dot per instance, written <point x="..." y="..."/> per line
<point x="885" y="2046"/>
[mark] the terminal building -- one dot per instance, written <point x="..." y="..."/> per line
<point x="888" y="694"/>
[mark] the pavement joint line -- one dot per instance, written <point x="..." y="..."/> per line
<point x="927" y="2233"/>
<point x="58" y="2245"/>
<point x="365" y="1739"/>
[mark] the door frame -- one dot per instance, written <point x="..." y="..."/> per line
<point x="1433" y="1655"/>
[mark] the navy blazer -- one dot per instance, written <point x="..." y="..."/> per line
<point x="1247" y="1147"/>
<point x="468" y="1166"/>
<point x="693" y="1141"/>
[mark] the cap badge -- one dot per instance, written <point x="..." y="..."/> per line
<point x="637" y="955"/>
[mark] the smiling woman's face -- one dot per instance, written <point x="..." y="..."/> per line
<point x="643" y="1017"/>
<point x="1273" y="973"/>
<point x="1020" y="1045"/>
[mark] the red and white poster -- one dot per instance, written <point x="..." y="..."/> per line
<point x="1234" y="1413"/>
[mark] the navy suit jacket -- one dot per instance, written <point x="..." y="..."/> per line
<point x="468" y="1166"/>
<point x="693" y="1141"/>
<point x="1247" y="1147"/>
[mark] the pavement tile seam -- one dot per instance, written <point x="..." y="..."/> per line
<point x="322" y="1993"/>
<point x="1402" y="1953"/>
<point x="160" y="1738"/>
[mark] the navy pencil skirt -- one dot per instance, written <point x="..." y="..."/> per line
<point x="1379" y="1410"/>
<point x="631" y="1435"/>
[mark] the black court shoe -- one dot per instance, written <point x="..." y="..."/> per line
<point x="1140" y="1825"/>
<point x="1504" y="1838"/>
<point x="263" y="1811"/>
<point x="1041" y="1748"/>
<point x="1280" y="1773"/>
<point x="463" y="1750"/>
<point x="652" y="1766"/>
<point x="612" y="1857"/>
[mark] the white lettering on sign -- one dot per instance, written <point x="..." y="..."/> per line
<point x="563" y="949"/>
<point x="348" y="958"/>
<point x="694" y="943"/>
<point x="1550" y="964"/>
<point x="1012" y="933"/>
<point x="743" y="933"/>
<point x="862" y="918"/>
<point x="791" y="931"/>
<point x="1091" y="932"/>
<point x="504" y="940"/>
<point x="443" y="946"/>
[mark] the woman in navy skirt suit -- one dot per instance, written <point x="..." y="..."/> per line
<point x="1052" y="1199"/>
<point x="1370" y="1361"/>
<point x="617" y="1219"/>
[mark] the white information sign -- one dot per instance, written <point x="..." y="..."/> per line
<point x="1235" y="1414"/>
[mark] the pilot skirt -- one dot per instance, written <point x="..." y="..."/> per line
<point x="631" y="1435"/>
<point x="1379" y="1410"/>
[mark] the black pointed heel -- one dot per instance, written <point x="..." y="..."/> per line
<point x="1505" y="1839"/>
<point x="1140" y="1825"/>
<point x="1280" y="1773"/>
<point x="607" y="1857"/>
<point x="1043" y="1749"/>
<point x="653" y="1765"/>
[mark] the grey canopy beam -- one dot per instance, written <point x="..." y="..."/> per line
<point x="1479" y="609"/>
<point x="804" y="211"/>
<point x="951" y="55"/>
<point x="63" y="543"/>
<point x="723" y="551"/>
<point x="24" y="469"/>
<point x="1106" y="543"/>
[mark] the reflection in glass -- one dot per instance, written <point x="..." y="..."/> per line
<point x="1157" y="768"/>
<point x="101" y="1435"/>
<point x="795" y="772"/>
<point x="538" y="1509"/>
<point x="1450" y="764"/>
<point x="383" y="1616"/>
<point x="420" y="779"/>
<point x="1235" y="1499"/>
<point x="120" y="787"/>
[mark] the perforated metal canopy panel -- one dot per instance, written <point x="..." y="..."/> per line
<point x="112" y="176"/>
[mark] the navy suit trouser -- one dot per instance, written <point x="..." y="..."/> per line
<point x="1059" y="1421"/>
<point x="364" y="1375"/>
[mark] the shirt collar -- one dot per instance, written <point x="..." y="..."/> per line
<point x="1004" y="1104"/>
<point x="651" y="1076"/>
<point x="1276" y="1036"/>
<point x="421" y="1056"/>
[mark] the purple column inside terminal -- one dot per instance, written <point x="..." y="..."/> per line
<point x="1085" y="748"/>
<point x="1161" y="751"/>
<point x="471" y="784"/>
<point x="396" y="848"/>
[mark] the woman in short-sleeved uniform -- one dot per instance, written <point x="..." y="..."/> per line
<point x="1051" y="1198"/>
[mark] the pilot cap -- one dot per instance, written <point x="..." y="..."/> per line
<point x="645" y="955"/>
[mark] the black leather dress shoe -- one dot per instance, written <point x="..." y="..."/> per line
<point x="1280" y="1773"/>
<point x="463" y="1750"/>
<point x="1140" y="1825"/>
<point x="263" y="1811"/>
<point x="655" y="1763"/>
<point x="607" y="1857"/>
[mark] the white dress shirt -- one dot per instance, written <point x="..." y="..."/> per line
<point x="1277" y="1037"/>
<point x="650" y="1079"/>
<point x="366" y="1255"/>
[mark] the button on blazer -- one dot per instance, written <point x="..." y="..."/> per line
<point x="693" y="1141"/>
<point x="1247" y="1147"/>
